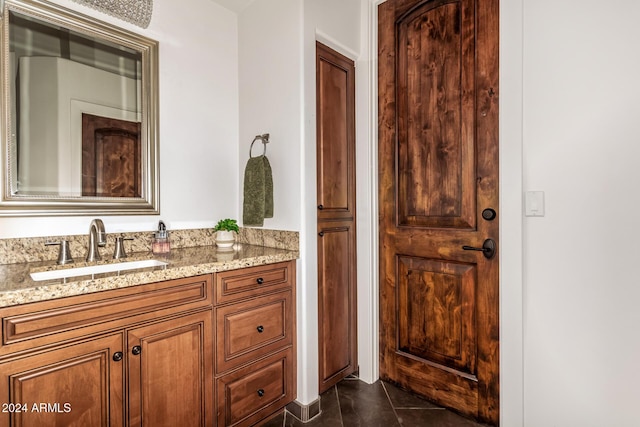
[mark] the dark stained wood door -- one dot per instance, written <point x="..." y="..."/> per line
<point x="111" y="157"/>
<point x="335" y="93"/>
<point x="438" y="172"/>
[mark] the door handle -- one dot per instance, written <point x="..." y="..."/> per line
<point x="488" y="248"/>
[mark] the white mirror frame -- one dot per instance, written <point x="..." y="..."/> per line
<point x="18" y="205"/>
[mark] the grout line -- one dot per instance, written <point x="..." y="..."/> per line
<point x="391" y="403"/>
<point x="339" y="407"/>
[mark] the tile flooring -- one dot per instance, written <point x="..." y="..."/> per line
<point x="353" y="403"/>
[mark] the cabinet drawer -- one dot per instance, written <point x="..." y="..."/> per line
<point x="251" y="329"/>
<point x="43" y="323"/>
<point x="249" y="394"/>
<point x="248" y="282"/>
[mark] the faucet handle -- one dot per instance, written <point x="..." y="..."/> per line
<point x="64" y="255"/>
<point x="119" y="251"/>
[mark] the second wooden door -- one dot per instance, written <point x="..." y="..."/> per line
<point x="336" y="216"/>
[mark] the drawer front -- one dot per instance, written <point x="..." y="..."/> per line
<point x="248" y="282"/>
<point x="249" y="394"/>
<point x="42" y="323"/>
<point x="251" y="329"/>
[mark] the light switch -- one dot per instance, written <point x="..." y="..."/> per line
<point x="534" y="203"/>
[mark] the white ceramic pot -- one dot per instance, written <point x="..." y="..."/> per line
<point x="225" y="239"/>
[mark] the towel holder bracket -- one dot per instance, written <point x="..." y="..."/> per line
<point x="264" y="138"/>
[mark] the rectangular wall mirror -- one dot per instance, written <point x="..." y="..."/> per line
<point x="79" y="111"/>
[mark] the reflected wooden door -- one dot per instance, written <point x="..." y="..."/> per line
<point x="111" y="157"/>
<point x="438" y="171"/>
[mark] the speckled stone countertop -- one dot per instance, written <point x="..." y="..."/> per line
<point x="17" y="287"/>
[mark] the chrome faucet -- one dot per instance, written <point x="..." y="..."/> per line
<point x="97" y="237"/>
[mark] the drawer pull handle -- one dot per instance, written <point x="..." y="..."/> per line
<point x="117" y="356"/>
<point x="260" y="329"/>
<point x="260" y="392"/>
<point x="136" y="350"/>
<point x="260" y="280"/>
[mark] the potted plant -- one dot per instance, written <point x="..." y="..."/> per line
<point x="224" y="232"/>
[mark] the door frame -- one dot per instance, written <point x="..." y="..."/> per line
<point x="511" y="224"/>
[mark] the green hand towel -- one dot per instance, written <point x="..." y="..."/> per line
<point x="258" y="192"/>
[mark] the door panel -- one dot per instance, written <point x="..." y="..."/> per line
<point x="336" y="290"/>
<point x="435" y="103"/>
<point x="438" y="169"/>
<point x="436" y="303"/>
<point x="79" y="385"/>
<point x="335" y="135"/>
<point x="170" y="381"/>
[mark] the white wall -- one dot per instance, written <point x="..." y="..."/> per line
<point x="581" y="146"/>
<point x="198" y="122"/>
<point x="270" y="58"/>
<point x="277" y="95"/>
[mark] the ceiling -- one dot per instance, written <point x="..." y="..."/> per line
<point x="234" y="5"/>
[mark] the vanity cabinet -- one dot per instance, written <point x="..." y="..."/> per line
<point x="135" y="356"/>
<point x="216" y="349"/>
<point x="255" y="341"/>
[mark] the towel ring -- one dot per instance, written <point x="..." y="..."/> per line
<point x="264" y="138"/>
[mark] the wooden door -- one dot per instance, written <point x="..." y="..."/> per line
<point x="170" y="372"/>
<point x="81" y="385"/>
<point x="438" y="171"/>
<point x="335" y="92"/>
<point x="111" y="157"/>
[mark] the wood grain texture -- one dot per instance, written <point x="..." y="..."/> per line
<point x="83" y="375"/>
<point x="335" y="134"/>
<point x="248" y="360"/>
<point x="335" y="94"/>
<point x="337" y="303"/>
<point x="438" y="169"/>
<point x="47" y="323"/>
<point x="111" y="157"/>
<point x="247" y="330"/>
<point x="170" y="381"/>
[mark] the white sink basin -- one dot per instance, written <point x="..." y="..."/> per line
<point x="95" y="269"/>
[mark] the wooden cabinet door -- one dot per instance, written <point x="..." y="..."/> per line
<point x="80" y="385"/>
<point x="170" y="372"/>
<point x="336" y="302"/>
<point x="335" y="91"/>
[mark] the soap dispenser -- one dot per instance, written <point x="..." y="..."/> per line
<point x="160" y="244"/>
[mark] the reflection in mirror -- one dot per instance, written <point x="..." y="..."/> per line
<point x="80" y="99"/>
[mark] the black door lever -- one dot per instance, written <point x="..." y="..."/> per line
<point x="488" y="248"/>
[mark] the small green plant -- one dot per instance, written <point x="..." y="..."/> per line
<point x="227" y="225"/>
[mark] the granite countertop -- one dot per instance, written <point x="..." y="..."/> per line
<point x="17" y="287"/>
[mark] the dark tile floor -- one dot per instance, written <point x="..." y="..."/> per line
<point x="354" y="403"/>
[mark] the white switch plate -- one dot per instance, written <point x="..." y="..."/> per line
<point x="534" y="203"/>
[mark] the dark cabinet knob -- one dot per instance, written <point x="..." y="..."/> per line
<point x="261" y="392"/>
<point x="320" y="207"/>
<point x="260" y="329"/>
<point x="260" y="280"/>
<point x="136" y="350"/>
<point x="117" y="356"/>
<point x="321" y="234"/>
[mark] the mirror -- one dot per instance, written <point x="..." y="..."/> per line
<point x="79" y="109"/>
